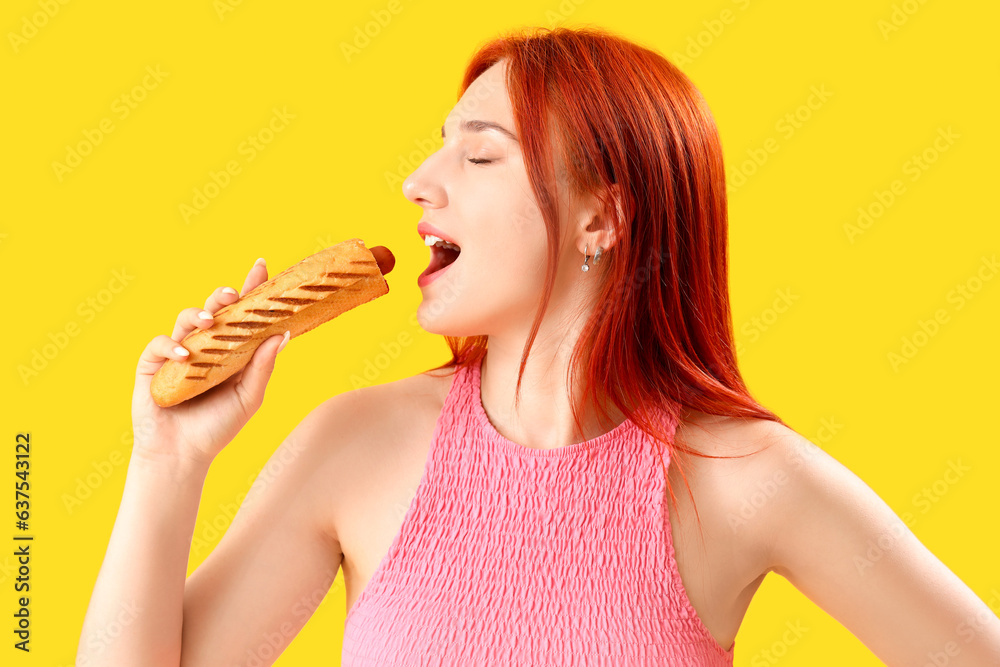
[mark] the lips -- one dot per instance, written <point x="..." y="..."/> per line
<point x="441" y="261"/>
<point x="425" y="228"/>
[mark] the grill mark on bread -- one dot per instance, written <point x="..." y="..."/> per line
<point x="278" y="303"/>
<point x="272" y="312"/>
<point x="347" y="275"/>
<point x="291" y="300"/>
<point x="320" y="288"/>
<point x="249" y="325"/>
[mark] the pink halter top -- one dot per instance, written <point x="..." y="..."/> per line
<point x="519" y="556"/>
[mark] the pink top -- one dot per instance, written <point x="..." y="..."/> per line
<point x="519" y="556"/>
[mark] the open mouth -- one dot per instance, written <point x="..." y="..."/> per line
<point x="443" y="254"/>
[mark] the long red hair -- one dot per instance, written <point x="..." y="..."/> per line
<point x="661" y="336"/>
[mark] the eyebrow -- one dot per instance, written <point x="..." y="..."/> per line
<point x="482" y="126"/>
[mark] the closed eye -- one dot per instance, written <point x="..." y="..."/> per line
<point x="478" y="161"/>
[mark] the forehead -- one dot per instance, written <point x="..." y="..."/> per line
<point x="485" y="99"/>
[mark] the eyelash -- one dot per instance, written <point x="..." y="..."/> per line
<point x="478" y="161"/>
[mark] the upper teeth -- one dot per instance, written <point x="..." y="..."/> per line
<point x="430" y="240"/>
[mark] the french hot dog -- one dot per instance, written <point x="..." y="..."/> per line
<point x="300" y="298"/>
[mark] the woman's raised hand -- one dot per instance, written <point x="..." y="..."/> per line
<point x="196" y="430"/>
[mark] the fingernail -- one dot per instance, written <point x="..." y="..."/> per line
<point x="284" y="340"/>
<point x="181" y="351"/>
<point x="260" y="260"/>
<point x="204" y="315"/>
<point x="229" y="290"/>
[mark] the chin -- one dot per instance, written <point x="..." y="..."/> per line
<point x="442" y="319"/>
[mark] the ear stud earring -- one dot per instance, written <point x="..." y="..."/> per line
<point x="586" y="257"/>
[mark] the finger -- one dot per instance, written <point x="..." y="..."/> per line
<point x="190" y="319"/>
<point x="238" y="375"/>
<point x="257" y="275"/>
<point x="256" y="374"/>
<point x="222" y="296"/>
<point x="157" y="351"/>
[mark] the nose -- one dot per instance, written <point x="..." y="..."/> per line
<point x="422" y="187"/>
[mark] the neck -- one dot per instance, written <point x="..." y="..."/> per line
<point x="543" y="418"/>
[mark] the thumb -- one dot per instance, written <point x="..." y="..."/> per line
<point x="258" y="370"/>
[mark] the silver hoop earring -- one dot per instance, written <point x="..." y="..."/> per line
<point x="586" y="258"/>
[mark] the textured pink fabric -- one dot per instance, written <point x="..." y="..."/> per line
<point x="509" y="555"/>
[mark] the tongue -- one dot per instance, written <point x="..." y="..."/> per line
<point x="443" y="257"/>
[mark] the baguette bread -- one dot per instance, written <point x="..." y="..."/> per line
<point x="300" y="298"/>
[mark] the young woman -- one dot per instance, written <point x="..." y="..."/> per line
<point x="518" y="504"/>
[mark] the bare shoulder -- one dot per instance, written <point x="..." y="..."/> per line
<point x="722" y="514"/>
<point x="802" y="514"/>
<point x="405" y="399"/>
<point x="361" y="419"/>
<point x="770" y="470"/>
<point x="382" y="433"/>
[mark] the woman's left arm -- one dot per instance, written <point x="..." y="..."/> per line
<point x="843" y="547"/>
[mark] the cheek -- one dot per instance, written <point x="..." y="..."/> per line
<point x="515" y="249"/>
<point x="522" y="215"/>
<point x="517" y="262"/>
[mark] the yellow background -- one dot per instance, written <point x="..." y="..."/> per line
<point x="326" y="176"/>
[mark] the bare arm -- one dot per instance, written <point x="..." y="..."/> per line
<point x="255" y="590"/>
<point x="278" y="559"/>
<point x="136" y="606"/>
<point x="840" y="544"/>
<point x="135" y="615"/>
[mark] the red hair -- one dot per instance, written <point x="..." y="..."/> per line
<point x="626" y="120"/>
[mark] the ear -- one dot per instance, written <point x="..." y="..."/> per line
<point x="599" y="223"/>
